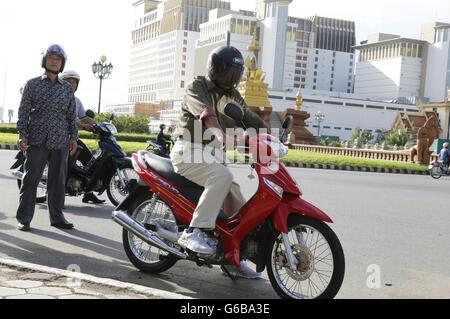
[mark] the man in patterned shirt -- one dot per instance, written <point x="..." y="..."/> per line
<point x="47" y="132"/>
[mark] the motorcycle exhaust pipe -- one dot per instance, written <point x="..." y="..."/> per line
<point x="20" y="174"/>
<point x="149" y="237"/>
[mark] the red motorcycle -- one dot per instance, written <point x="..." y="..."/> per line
<point x="276" y="229"/>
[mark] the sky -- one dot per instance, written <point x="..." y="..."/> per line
<point x="90" y="29"/>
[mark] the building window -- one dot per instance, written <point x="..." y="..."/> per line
<point x="182" y="84"/>
<point x="315" y="66"/>
<point x="314" y="87"/>
<point x="303" y="86"/>
<point x="303" y="79"/>
<point x="183" y="73"/>
<point x="315" y="73"/>
<point x="305" y="58"/>
<point x="317" y="59"/>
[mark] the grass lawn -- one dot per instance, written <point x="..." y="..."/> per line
<point x="293" y="156"/>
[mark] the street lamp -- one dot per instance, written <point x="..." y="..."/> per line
<point x="320" y="117"/>
<point x="101" y="71"/>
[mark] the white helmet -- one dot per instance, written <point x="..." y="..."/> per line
<point x="71" y="75"/>
<point x="445" y="145"/>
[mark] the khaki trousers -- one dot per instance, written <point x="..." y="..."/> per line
<point x="198" y="164"/>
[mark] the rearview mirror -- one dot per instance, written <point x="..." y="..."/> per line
<point x="234" y="111"/>
<point x="288" y="122"/>
<point x="111" y="118"/>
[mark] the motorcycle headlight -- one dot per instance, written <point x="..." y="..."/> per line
<point x="112" y="129"/>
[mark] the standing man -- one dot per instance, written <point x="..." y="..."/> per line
<point x="47" y="134"/>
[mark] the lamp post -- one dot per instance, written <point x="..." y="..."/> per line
<point x="320" y="117"/>
<point x="101" y="71"/>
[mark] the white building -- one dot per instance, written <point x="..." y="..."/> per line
<point x="315" y="53"/>
<point x="391" y="67"/>
<point x="343" y="112"/>
<point x="437" y="76"/>
<point x="163" y="47"/>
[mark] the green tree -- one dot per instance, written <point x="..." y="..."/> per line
<point x="397" y="138"/>
<point x="356" y="134"/>
<point x="366" y="136"/>
<point x="126" y="124"/>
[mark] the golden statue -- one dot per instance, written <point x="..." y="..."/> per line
<point x="253" y="89"/>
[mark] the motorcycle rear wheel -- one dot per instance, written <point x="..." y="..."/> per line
<point x="321" y="267"/>
<point x="143" y="256"/>
<point x="116" y="193"/>
<point x="436" y="172"/>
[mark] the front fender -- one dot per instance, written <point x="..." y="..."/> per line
<point x="298" y="206"/>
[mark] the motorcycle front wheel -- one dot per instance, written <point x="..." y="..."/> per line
<point x="321" y="263"/>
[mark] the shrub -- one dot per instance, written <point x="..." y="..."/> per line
<point x="397" y="138"/>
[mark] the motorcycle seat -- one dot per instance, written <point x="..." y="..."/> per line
<point x="163" y="166"/>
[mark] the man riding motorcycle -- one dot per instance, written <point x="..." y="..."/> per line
<point x="444" y="155"/>
<point x="202" y="111"/>
<point x="83" y="122"/>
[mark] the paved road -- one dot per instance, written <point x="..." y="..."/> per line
<point x="395" y="224"/>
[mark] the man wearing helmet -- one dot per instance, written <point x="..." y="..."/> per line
<point x="202" y="109"/>
<point x="47" y="132"/>
<point x="83" y="122"/>
<point x="444" y="155"/>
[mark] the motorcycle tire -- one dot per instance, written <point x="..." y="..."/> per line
<point x="272" y="260"/>
<point x="39" y="199"/>
<point x="113" y="182"/>
<point x="436" y="172"/>
<point x="153" y="268"/>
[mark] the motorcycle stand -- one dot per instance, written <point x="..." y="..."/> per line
<point x="226" y="272"/>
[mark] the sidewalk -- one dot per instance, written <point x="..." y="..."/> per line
<point x="19" y="280"/>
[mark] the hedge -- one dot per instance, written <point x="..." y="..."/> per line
<point x="124" y="137"/>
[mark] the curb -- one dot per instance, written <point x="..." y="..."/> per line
<point x="159" y="294"/>
<point x="9" y="147"/>
<point x="356" y="169"/>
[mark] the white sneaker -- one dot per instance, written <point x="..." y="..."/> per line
<point x="197" y="241"/>
<point x="244" y="271"/>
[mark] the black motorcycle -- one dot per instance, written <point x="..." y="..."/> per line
<point x="110" y="171"/>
